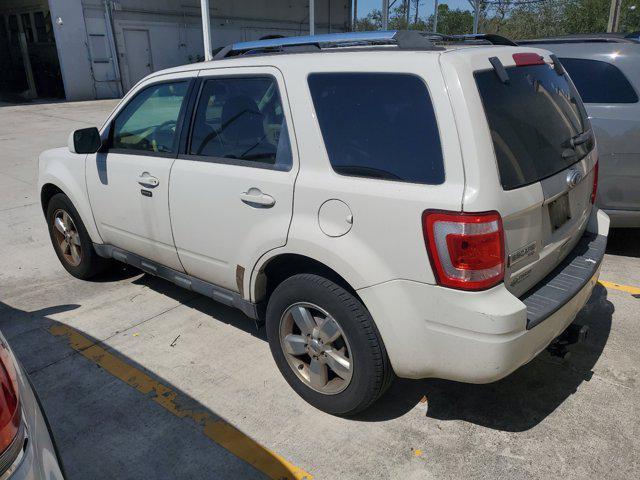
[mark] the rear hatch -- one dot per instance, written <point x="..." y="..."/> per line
<point x="545" y="156"/>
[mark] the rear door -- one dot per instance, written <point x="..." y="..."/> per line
<point x="535" y="158"/>
<point x="231" y="195"/>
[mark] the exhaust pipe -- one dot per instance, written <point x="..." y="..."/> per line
<point x="575" y="333"/>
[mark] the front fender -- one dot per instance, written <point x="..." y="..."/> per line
<point x="66" y="171"/>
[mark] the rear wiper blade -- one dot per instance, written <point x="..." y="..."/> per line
<point x="579" y="139"/>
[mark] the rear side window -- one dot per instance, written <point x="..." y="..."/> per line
<point x="241" y="120"/>
<point x="599" y="82"/>
<point x="532" y="119"/>
<point x="378" y="125"/>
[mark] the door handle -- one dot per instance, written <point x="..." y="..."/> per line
<point x="255" y="198"/>
<point x="148" y="180"/>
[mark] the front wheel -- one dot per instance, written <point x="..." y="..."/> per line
<point x="326" y="345"/>
<point x="70" y="239"/>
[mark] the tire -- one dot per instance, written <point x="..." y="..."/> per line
<point x="79" y="258"/>
<point x="357" y="343"/>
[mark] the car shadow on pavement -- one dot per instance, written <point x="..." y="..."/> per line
<point x="113" y="418"/>
<point x="624" y="241"/>
<point x="229" y="315"/>
<point x="516" y="403"/>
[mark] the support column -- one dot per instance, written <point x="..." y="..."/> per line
<point x="312" y="17"/>
<point x="206" y="30"/>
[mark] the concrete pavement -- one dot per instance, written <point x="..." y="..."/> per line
<point x="123" y="404"/>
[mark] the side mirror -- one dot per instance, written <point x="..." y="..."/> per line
<point x="85" y="140"/>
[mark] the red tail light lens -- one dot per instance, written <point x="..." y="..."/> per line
<point x="594" y="190"/>
<point x="9" y="399"/>
<point x="466" y="250"/>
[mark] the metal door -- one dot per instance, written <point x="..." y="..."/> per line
<point x="139" y="61"/>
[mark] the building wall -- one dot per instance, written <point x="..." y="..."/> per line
<point x="71" y="37"/>
<point x="105" y="57"/>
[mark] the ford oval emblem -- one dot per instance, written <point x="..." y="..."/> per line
<point x="573" y="178"/>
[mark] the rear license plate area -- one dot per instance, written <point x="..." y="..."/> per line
<point x="559" y="211"/>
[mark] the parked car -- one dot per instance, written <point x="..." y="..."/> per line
<point x="391" y="205"/>
<point x="26" y="446"/>
<point x="606" y="72"/>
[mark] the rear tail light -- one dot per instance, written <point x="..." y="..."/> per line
<point x="10" y="417"/>
<point x="594" y="190"/>
<point x="466" y="250"/>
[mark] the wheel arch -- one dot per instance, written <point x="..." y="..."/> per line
<point x="278" y="267"/>
<point x="51" y="187"/>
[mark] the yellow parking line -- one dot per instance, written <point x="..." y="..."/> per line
<point x="622" y="288"/>
<point x="221" y="432"/>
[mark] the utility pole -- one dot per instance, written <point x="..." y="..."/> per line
<point x="355" y="15"/>
<point x="385" y="14"/>
<point x="435" y="17"/>
<point x="206" y="30"/>
<point x="614" y="16"/>
<point x="407" y="15"/>
<point x="312" y="17"/>
<point x="476" y="15"/>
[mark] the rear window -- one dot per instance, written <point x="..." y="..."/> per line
<point x="532" y="120"/>
<point x="599" y="82"/>
<point x="378" y="125"/>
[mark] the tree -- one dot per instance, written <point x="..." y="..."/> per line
<point x="452" y="22"/>
<point x="397" y="18"/>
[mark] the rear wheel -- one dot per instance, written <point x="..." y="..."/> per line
<point x="326" y="345"/>
<point x="70" y="239"/>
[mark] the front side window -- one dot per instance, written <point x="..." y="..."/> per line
<point x="378" y="125"/>
<point x="599" y="82"/>
<point x="148" y="122"/>
<point x="241" y="119"/>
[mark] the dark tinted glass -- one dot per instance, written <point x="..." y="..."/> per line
<point x="241" y="119"/>
<point x="378" y="125"/>
<point x="148" y="122"/>
<point x="532" y="120"/>
<point x="599" y="82"/>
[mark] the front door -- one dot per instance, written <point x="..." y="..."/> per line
<point x="231" y="194"/>
<point x="129" y="183"/>
<point x="138" y="47"/>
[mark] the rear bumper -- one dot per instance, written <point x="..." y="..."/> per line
<point x="475" y="337"/>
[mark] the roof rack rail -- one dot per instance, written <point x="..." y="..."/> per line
<point x="404" y="39"/>
<point x="585" y="38"/>
<point x="472" y="38"/>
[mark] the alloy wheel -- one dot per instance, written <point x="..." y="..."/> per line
<point x="316" y="348"/>
<point x="67" y="237"/>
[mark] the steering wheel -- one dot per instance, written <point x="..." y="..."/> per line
<point x="165" y="129"/>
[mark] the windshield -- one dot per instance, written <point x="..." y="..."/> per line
<point x="537" y="122"/>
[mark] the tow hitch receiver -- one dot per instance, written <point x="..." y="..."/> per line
<point x="575" y="333"/>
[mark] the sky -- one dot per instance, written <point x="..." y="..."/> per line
<point x="426" y="7"/>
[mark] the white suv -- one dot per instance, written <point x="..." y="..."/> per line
<point x="387" y="205"/>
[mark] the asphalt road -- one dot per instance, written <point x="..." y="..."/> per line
<point x="141" y="379"/>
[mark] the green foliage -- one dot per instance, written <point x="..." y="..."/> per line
<point x="516" y="19"/>
<point x="452" y="22"/>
